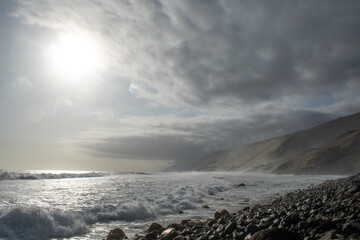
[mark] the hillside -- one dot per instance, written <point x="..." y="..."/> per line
<point x="338" y="156"/>
<point x="329" y="148"/>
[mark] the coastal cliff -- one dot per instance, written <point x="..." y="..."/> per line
<point x="330" y="148"/>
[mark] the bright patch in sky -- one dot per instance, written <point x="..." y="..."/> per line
<point x="74" y="57"/>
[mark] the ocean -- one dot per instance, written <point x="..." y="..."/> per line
<point x="87" y="205"/>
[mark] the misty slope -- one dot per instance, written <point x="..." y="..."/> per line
<point x="338" y="156"/>
<point x="321" y="149"/>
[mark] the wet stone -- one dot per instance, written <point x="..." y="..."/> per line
<point x="241" y="185"/>
<point x="210" y="222"/>
<point x="168" y="234"/>
<point x="177" y="226"/>
<point x="230" y="228"/>
<point x="222" y="213"/>
<point x="151" y="236"/>
<point x="350" y="228"/>
<point x="275" y="234"/>
<point x="252" y="228"/>
<point x="305" y="208"/>
<point x="116" y="234"/>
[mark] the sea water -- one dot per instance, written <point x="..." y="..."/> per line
<point x="87" y="205"/>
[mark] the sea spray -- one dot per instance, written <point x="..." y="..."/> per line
<point x="88" y="207"/>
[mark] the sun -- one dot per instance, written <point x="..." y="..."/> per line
<point x="74" y="57"/>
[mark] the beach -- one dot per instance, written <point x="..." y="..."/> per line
<point x="330" y="210"/>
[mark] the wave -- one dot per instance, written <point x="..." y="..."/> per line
<point x="45" y="223"/>
<point x="37" y="175"/>
<point x="35" y="223"/>
<point x="39" y="224"/>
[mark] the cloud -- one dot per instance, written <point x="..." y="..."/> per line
<point x="182" y="139"/>
<point x="243" y="71"/>
<point x="156" y="147"/>
<point x="220" y="52"/>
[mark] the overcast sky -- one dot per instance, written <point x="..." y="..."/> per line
<point x="136" y="85"/>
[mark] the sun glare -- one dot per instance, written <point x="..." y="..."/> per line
<point x="74" y="57"/>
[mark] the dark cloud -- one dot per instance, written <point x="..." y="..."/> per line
<point x="198" y="137"/>
<point x="205" y="53"/>
<point x="153" y="147"/>
<point x="269" y="50"/>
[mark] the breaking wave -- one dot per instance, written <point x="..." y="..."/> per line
<point x="35" y="222"/>
<point x="88" y="206"/>
<point x="36" y="175"/>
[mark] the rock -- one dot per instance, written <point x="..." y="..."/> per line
<point x="185" y="222"/>
<point x="174" y="225"/>
<point x="222" y="220"/>
<point x="222" y="213"/>
<point x="327" y="226"/>
<point x="230" y="228"/>
<point x="302" y="225"/>
<point x="205" y="206"/>
<point x="291" y="219"/>
<point x="220" y="229"/>
<point x="178" y="238"/>
<point x="238" y="235"/>
<point x="275" y="234"/>
<point x="137" y="237"/>
<point x="186" y="231"/>
<point x="241" y="185"/>
<point x="254" y="208"/>
<point x="305" y="207"/>
<point x="210" y="223"/>
<point x="329" y="235"/>
<point x="155" y="227"/>
<point x="309" y="238"/>
<point x="213" y="237"/>
<point x="151" y="236"/>
<point x="277" y="221"/>
<point x="353" y="189"/>
<point x="116" y="234"/>
<point x="168" y="234"/>
<point x="252" y="228"/>
<point x="350" y="228"/>
<point x="340" y="237"/>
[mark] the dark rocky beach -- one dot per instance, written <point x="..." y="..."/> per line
<point x="327" y="211"/>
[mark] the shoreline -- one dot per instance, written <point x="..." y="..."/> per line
<point x="330" y="210"/>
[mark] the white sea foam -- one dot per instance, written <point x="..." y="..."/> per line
<point x="89" y="207"/>
<point x="35" y="223"/>
<point x="36" y="175"/>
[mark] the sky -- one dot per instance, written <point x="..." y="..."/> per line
<point x="139" y="85"/>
